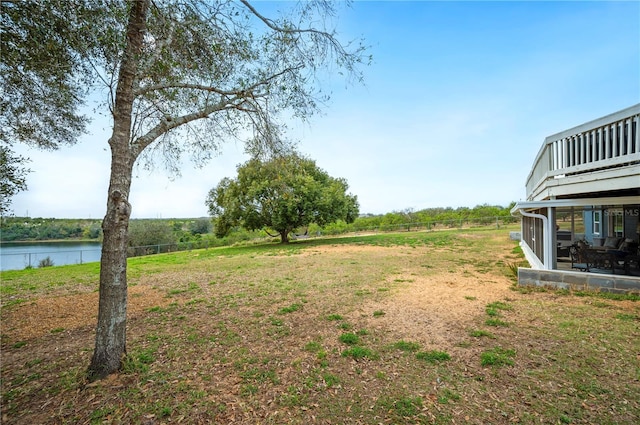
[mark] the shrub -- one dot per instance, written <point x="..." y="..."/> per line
<point x="150" y="232"/>
<point x="45" y="262"/>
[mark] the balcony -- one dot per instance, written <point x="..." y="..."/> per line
<point x="590" y="173"/>
<point x="593" y="159"/>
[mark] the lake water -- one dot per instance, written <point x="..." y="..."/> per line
<point x="17" y="256"/>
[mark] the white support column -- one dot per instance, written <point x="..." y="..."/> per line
<point x="558" y="144"/>
<point x="551" y="241"/>
<point x="607" y="142"/>
<point x="560" y="156"/>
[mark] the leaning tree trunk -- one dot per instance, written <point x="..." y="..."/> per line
<point x="112" y="308"/>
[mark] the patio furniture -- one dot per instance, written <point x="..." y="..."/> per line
<point x="621" y="257"/>
<point x="564" y="241"/>
<point x="595" y="260"/>
<point x="632" y="265"/>
<point x="599" y="261"/>
<point x="578" y="258"/>
<point x="623" y="253"/>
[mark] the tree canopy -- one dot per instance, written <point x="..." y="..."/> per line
<point x="282" y="194"/>
<point x="44" y="73"/>
<point x="177" y="77"/>
<point x="43" y="78"/>
<point x="12" y="177"/>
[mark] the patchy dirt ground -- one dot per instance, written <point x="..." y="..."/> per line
<point x="433" y="306"/>
<point x="216" y="339"/>
<point x="44" y="315"/>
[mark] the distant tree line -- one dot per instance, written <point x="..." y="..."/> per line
<point x="200" y="231"/>
<point x="426" y="219"/>
<point x="481" y="215"/>
<point x="40" y="229"/>
<point x="142" y="232"/>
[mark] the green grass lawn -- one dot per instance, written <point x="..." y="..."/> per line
<point x="413" y="327"/>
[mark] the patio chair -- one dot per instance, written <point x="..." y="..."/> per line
<point x="600" y="261"/>
<point x="578" y="257"/>
<point x="632" y="265"/>
<point x="622" y="257"/>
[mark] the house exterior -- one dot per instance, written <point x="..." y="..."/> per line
<point x="584" y="186"/>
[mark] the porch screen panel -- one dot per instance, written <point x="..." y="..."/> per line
<point x="631" y="222"/>
<point x="532" y="235"/>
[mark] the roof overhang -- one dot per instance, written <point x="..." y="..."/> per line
<point x="578" y="202"/>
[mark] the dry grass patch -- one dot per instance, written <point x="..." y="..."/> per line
<point x="38" y="317"/>
<point x="254" y="338"/>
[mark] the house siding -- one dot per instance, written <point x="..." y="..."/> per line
<point x="630" y="223"/>
<point x="587" y="217"/>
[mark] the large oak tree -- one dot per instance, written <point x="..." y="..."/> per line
<point x="281" y="194"/>
<point x="181" y="77"/>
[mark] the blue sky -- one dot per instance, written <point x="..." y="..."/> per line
<point x="455" y="106"/>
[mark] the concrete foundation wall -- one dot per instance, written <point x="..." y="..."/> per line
<point x="579" y="281"/>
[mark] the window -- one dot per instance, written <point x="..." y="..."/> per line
<point x="617" y="222"/>
<point x="597" y="218"/>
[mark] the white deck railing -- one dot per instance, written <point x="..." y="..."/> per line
<point x="608" y="142"/>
